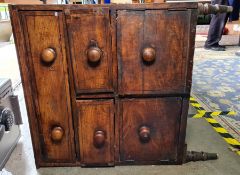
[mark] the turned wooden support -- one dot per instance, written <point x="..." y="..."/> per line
<point x="205" y="9"/>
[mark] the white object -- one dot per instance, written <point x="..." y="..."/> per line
<point x="5" y="30"/>
<point x="121" y="1"/>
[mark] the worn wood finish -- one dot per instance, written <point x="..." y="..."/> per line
<point x="90" y="50"/>
<point x="190" y="49"/>
<point x="182" y="131"/>
<point x="158" y="6"/>
<point x="52" y="99"/>
<point x="96" y="132"/>
<point x="149" y="130"/>
<point x="26" y="76"/>
<point x="106" y="84"/>
<point x="149" y="74"/>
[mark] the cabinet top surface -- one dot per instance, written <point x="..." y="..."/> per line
<point x="173" y="6"/>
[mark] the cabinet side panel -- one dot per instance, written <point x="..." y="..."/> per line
<point x="25" y="77"/>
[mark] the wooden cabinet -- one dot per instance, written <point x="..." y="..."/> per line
<point x="106" y="84"/>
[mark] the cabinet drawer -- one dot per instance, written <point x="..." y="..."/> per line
<point x="49" y="82"/>
<point x="90" y="45"/>
<point x="153" y="51"/>
<point x="150" y="129"/>
<point x="96" y="132"/>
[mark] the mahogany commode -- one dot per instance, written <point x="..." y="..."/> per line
<point x="106" y="84"/>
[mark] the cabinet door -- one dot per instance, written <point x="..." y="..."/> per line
<point x="96" y="132"/>
<point x="47" y="63"/>
<point x="90" y="42"/>
<point x="150" y="128"/>
<point x="153" y="51"/>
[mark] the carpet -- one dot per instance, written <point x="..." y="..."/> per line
<point x="216" y="83"/>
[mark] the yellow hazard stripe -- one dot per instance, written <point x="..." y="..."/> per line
<point x="238" y="153"/>
<point x="198" y="115"/>
<point x="220" y="130"/>
<point x="232" y="113"/>
<point x="232" y="141"/>
<point x="211" y="120"/>
<point x="193" y="99"/>
<point x="216" y="126"/>
<point x="201" y="111"/>
<point x="196" y="104"/>
<point x="215" y="113"/>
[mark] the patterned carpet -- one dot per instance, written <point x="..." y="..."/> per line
<point x="216" y="83"/>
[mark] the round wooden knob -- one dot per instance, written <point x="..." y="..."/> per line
<point x="94" y="54"/>
<point x="48" y="55"/>
<point x="149" y="54"/>
<point x="144" y="133"/>
<point x="99" y="139"/>
<point x="57" y="134"/>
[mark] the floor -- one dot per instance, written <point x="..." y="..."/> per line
<point x="200" y="137"/>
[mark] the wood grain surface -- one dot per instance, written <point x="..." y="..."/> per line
<point x="162" y="117"/>
<point x="164" y="31"/>
<point x="91" y="77"/>
<point x="96" y="116"/>
<point x="50" y="81"/>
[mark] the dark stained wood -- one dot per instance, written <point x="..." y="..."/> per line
<point x="42" y="30"/>
<point x="106" y="84"/>
<point x="159" y="119"/>
<point x="129" y="38"/>
<point x="96" y="132"/>
<point x="89" y="37"/>
<point x="113" y="30"/>
<point x="158" y="6"/>
<point x="66" y="51"/>
<point x="162" y="32"/>
<point x="182" y="131"/>
<point x="191" y="48"/>
<point x="26" y="77"/>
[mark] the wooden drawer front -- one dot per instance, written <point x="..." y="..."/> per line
<point x="152" y="51"/>
<point x="90" y="41"/>
<point x="150" y="129"/>
<point x="96" y="132"/>
<point x="44" y="40"/>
